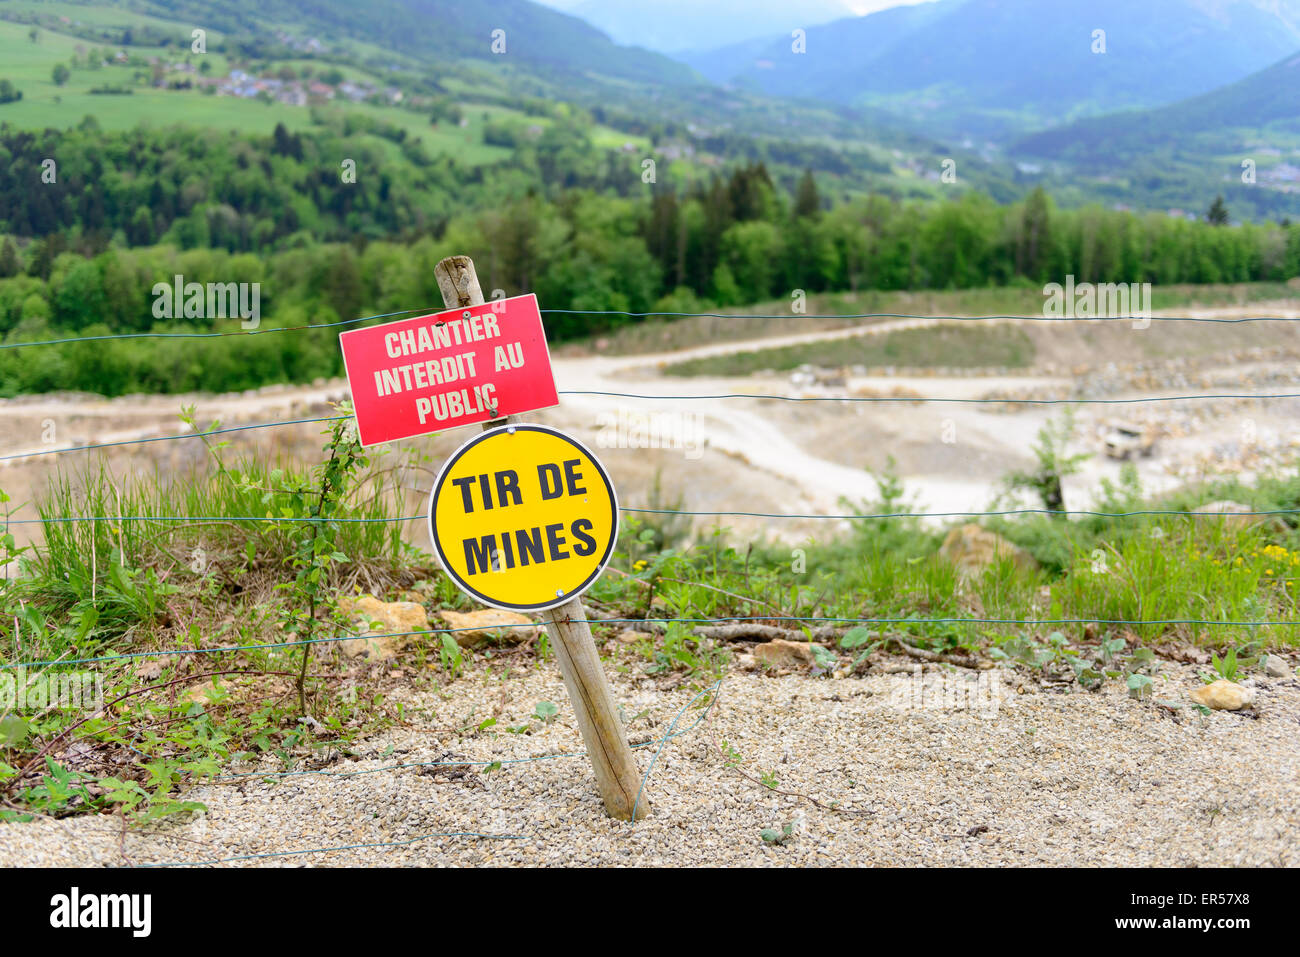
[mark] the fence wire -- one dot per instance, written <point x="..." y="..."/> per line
<point x="712" y="691"/>
<point x="637" y="315"/>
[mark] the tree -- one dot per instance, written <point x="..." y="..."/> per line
<point x="807" y="202"/>
<point x="751" y="251"/>
<point x="61" y="74"/>
<point x="1053" y="464"/>
<point x="1218" y="213"/>
<point x="140" y="230"/>
<point x="344" y="289"/>
<point x="283" y="144"/>
<point x="33" y="34"/>
<point x="9" y="264"/>
<point x="1033" y="242"/>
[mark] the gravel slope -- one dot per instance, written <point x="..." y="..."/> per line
<point x="1047" y="778"/>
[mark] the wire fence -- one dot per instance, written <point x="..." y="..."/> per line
<point x="722" y="620"/>
<point x="911" y="400"/>
<point x="712" y="691"/>
<point x="645" y="315"/>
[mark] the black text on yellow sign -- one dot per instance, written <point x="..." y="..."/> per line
<point x="523" y="517"/>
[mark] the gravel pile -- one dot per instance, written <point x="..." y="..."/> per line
<point x="1043" y="778"/>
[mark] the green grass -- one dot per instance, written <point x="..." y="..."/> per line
<point x="118" y="574"/>
<point x="27" y="63"/>
<point x="45" y="104"/>
<point x="1093" y="569"/>
<point x="669" y="334"/>
<point x="113" y="16"/>
<point x="952" y="346"/>
<point x="107" y="587"/>
<point x="174" y="580"/>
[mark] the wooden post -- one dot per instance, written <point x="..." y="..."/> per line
<point x="575" y="649"/>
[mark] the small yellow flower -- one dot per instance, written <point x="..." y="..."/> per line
<point x="639" y="565"/>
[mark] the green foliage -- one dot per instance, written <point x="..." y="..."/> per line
<point x="1054" y="463"/>
<point x="862" y="640"/>
<point x="560" y="217"/>
<point x="545" y="711"/>
<point x="1217" y="215"/>
<point x="306" y="513"/>
<point x="954" y="347"/>
<point x="783" y="836"/>
<point x="1225" y="667"/>
<point x="905" y="537"/>
<point x="450" y="656"/>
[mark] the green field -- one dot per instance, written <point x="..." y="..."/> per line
<point x="951" y="346"/>
<point x="46" y="105"/>
<point x="92" y="15"/>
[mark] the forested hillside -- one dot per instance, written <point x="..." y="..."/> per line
<point x="583" y="232"/>
<point x="335" y="175"/>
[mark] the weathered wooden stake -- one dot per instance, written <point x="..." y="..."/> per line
<point x="598" y="720"/>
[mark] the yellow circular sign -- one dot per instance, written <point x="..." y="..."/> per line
<point x="523" y="517"/>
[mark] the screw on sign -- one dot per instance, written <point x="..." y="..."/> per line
<point x="523" y="517"/>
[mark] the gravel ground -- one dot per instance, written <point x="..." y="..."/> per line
<point x="1041" y="777"/>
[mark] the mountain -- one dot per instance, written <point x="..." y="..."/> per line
<point x="1241" y="142"/>
<point x="1212" y="122"/>
<point x="536" y="37"/>
<point x="990" y="67"/>
<point x="770" y="66"/>
<point x="676" y="25"/>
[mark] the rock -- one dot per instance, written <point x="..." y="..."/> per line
<point x="1224" y="696"/>
<point x="396" y="617"/>
<point x="1229" y="510"/>
<point x="486" y="625"/>
<point x="1277" y="667"/>
<point x="1230" y="514"/>
<point x="630" y="637"/>
<point x="779" y="653"/>
<point x="371" y="647"/>
<point x="386" y="626"/>
<point x="204" y="691"/>
<point x="972" y="549"/>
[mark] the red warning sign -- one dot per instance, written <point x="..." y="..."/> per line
<point x="449" y="369"/>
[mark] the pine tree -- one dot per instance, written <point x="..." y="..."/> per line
<point x="9" y="264"/>
<point x="1218" y="213"/>
<point x="807" y="202"/>
<point x="1034" y="241"/>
